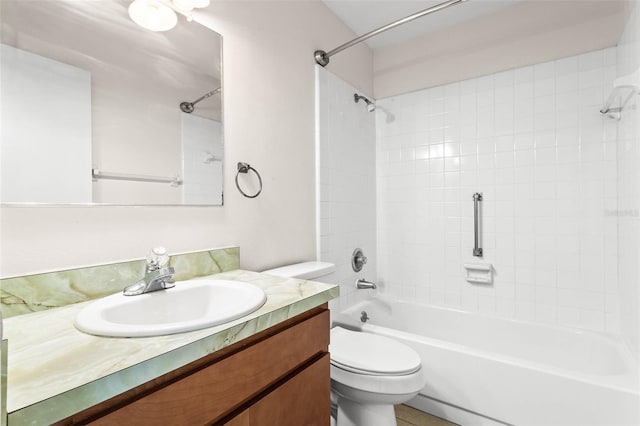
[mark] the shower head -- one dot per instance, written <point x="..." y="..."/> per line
<point x="188" y="107"/>
<point x="370" y="105"/>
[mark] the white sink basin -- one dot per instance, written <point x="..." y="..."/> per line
<point x="190" y="305"/>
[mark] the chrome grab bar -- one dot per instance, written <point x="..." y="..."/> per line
<point x="477" y="250"/>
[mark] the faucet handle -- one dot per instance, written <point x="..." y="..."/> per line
<point x="358" y="260"/>
<point x="157" y="258"/>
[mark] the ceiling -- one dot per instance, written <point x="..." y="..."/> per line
<point x="363" y="16"/>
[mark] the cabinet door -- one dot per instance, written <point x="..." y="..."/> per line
<point x="303" y="400"/>
<point x="209" y="394"/>
<point x="242" y="419"/>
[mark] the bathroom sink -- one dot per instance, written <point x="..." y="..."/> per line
<point x="190" y="305"/>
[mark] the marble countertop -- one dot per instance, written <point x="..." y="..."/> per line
<point x="54" y="370"/>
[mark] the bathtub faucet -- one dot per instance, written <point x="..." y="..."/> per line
<point x="364" y="284"/>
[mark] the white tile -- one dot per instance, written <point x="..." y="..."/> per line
<point x="544" y="121"/>
<point x="451" y="149"/>
<point x="545" y="139"/>
<point x="484" y="84"/>
<point x="525" y="140"/>
<point x="590" y="78"/>
<point x="610" y="56"/>
<point x="525" y="311"/>
<point x="545" y="87"/>
<point x="544" y="70"/>
<point x="504" y="159"/>
<point x="591" y="60"/>
<point x="522" y="75"/>
<point x="546" y="313"/>
<point x="532" y="140"/>
<point x="422" y="152"/>
<point x="503" y="79"/>
<point x="524" y="91"/>
<point x="566" y="66"/>
<point x="591" y="97"/>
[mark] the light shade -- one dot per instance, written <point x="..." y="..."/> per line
<point x="187" y="6"/>
<point x="152" y="15"/>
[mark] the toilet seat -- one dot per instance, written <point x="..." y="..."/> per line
<point x="369" y="375"/>
<point x="371" y="354"/>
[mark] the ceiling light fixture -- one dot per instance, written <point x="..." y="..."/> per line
<point x="160" y="15"/>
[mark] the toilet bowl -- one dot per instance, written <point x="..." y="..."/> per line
<point x="369" y="373"/>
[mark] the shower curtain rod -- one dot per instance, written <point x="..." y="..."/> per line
<point x="189" y="107"/>
<point x="322" y="57"/>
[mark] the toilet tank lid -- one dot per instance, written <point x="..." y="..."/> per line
<point x="305" y="270"/>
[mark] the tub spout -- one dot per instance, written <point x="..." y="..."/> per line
<point x="364" y="284"/>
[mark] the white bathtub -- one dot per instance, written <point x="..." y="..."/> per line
<point x="482" y="370"/>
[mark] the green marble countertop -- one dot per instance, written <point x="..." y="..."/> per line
<point x="55" y="370"/>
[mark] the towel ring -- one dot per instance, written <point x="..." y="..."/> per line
<point x="244" y="168"/>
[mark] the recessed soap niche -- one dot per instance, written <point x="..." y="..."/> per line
<point x="479" y="273"/>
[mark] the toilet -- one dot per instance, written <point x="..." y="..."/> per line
<point x="369" y="373"/>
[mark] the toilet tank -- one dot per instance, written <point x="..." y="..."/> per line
<point x="305" y="271"/>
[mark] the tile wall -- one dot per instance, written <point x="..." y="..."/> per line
<point x="533" y="142"/>
<point x="346" y="149"/>
<point x="628" y="211"/>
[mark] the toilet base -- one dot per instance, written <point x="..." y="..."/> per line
<point x="351" y="413"/>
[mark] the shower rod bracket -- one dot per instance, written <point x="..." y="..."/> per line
<point x="323" y="58"/>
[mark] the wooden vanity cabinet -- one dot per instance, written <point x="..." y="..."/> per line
<point x="294" y="402"/>
<point x="277" y="377"/>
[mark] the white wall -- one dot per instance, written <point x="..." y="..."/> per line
<point x="269" y="123"/>
<point x="347" y="185"/>
<point x="628" y="211"/>
<point x="533" y="142"/>
<point x="510" y="38"/>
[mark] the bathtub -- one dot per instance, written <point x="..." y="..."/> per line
<point x="482" y="370"/>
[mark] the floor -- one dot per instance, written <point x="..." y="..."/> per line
<point x="408" y="416"/>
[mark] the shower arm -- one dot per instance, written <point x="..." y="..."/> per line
<point x="322" y="57"/>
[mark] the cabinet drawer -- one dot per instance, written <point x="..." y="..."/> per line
<point x="216" y="390"/>
<point x="304" y="400"/>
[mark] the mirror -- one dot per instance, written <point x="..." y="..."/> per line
<point x="90" y="107"/>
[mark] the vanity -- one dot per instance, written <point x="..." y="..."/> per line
<point x="268" y="367"/>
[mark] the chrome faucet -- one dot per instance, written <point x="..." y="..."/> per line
<point x="364" y="284"/>
<point x="157" y="276"/>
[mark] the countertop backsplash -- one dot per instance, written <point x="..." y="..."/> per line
<point x="38" y="292"/>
